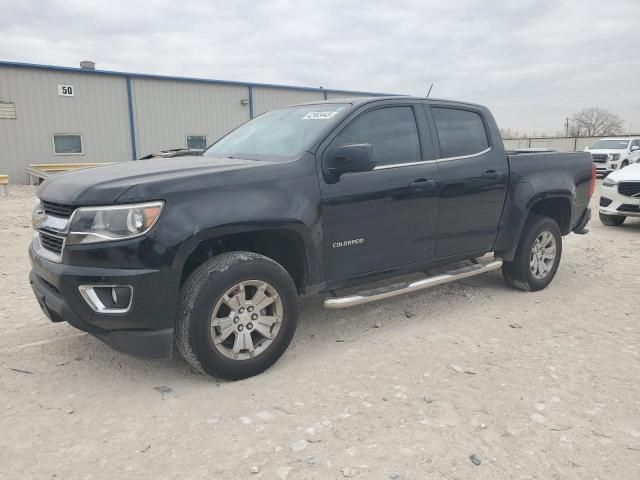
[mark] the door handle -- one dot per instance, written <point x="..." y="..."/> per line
<point x="422" y="184"/>
<point x="492" y="174"/>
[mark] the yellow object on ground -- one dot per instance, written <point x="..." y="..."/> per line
<point x="4" y="181"/>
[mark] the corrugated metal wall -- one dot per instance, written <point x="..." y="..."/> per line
<point x="164" y="112"/>
<point x="334" y="95"/>
<point x="265" y="99"/>
<point x="98" y="112"/>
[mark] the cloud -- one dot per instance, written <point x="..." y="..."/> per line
<point x="532" y="62"/>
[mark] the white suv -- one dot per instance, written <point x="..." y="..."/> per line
<point x="620" y="196"/>
<point x="611" y="154"/>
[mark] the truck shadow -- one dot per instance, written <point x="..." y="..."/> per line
<point x="320" y="332"/>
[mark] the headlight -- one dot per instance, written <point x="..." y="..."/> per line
<point x="608" y="182"/>
<point x="117" y="222"/>
<point x="37" y="213"/>
<point x="614" y="156"/>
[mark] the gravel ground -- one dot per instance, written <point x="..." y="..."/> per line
<point x="468" y="380"/>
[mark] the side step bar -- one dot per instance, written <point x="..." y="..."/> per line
<point x="376" y="294"/>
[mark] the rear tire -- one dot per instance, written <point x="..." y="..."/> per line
<point x="537" y="257"/>
<point x="612" y="220"/>
<point x="222" y="328"/>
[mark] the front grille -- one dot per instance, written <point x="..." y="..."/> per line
<point x="629" y="189"/>
<point x="625" y="207"/>
<point x="51" y="243"/>
<point x="605" y="202"/>
<point x="599" y="157"/>
<point x="57" y="209"/>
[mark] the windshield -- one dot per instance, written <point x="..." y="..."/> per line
<point x="278" y="133"/>
<point x="609" y="145"/>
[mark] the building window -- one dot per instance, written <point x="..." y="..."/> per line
<point x="67" y="144"/>
<point x="7" y="110"/>
<point x="198" y="142"/>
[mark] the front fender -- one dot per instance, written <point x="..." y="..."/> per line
<point x="301" y="231"/>
<point x="275" y="203"/>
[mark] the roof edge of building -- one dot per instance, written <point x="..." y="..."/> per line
<point x="149" y="76"/>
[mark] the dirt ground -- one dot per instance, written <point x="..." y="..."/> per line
<point x="534" y="385"/>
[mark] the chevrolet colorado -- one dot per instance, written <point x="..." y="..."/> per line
<point x="211" y="252"/>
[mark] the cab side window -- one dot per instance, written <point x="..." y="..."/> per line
<point x="391" y="130"/>
<point x="460" y="132"/>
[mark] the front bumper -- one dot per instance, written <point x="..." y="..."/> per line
<point x="606" y="168"/>
<point x="146" y="330"/>
<point x="612" y="203"/>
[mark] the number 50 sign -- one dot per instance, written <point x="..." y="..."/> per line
<point x="65" y="90"/>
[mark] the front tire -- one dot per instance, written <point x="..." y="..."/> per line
<point x="237" y="315"/>
<point x="537" y="257"/>
<point x="612" y="220"/>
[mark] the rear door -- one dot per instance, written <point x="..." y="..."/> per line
<point x="473" y="175"/>
<point x="385" y="217"/>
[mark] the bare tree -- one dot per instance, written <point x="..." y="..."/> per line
<point x="576" y="131"/>
<point x="595" y="122"/>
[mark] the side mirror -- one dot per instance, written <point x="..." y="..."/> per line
<point x="351" y="159"/>
<point x="635" y="148"/>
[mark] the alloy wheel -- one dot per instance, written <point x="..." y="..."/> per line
<point x="246" y="320"/>
<point x="543" y="255"/>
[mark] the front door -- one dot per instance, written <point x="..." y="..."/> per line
<point x="385" y="217"/>
<point x="473" y="182"/>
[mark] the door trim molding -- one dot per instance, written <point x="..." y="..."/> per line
<point x="444" y="159"/>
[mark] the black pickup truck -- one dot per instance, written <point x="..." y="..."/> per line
<point x="212" y="251"/>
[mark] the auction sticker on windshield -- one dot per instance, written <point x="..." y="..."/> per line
<point x="319" y="115"/>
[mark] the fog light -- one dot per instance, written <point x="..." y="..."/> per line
<point x="107" y="298"/>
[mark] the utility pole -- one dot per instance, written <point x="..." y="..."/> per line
<point x="566" y="127"/>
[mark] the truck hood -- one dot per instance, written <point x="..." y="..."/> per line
<point x="630" y="173"/>
<point x="105" y="184"/>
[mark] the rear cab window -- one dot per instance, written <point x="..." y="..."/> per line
<point x="460" y="132"/>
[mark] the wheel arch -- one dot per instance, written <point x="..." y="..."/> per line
<point x="555" y="206"/>
<point x="285" y="245"/>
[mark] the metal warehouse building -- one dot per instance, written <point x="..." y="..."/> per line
<point x="51" y="114"/>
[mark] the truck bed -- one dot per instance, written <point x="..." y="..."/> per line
<point x="540" y="176"/>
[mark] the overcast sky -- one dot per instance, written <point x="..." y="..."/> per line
<point x="533" y="62"/>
